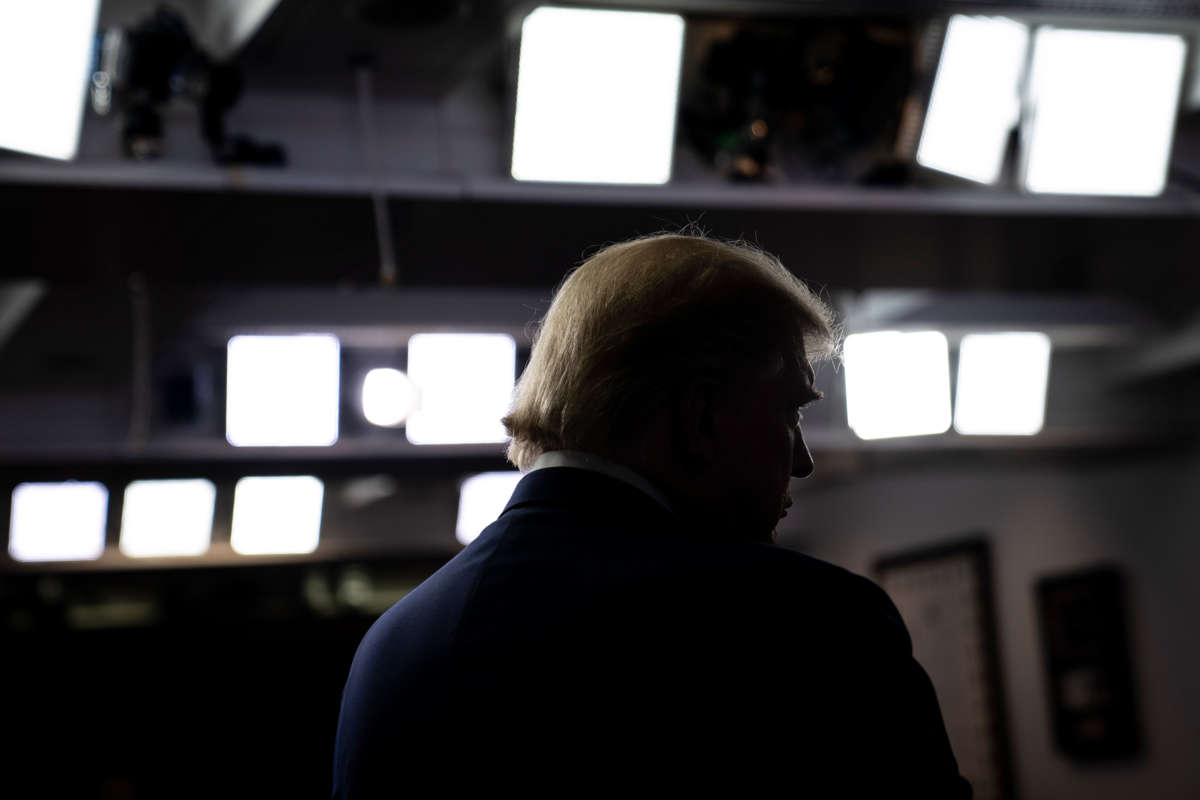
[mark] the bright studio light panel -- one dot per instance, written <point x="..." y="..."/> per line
<point x="897" y="384"/>
<point x="58" y="521"/>
<point x="282" y="390"/>
<point x="596" y="96"/>
<point x="1102" y="108"/>
<point x="975" y="101"/>
<point x="388" y="397"/>
<point x="45" y="55"/>
<point x="1001" y="388"/>
<point x="167" y="518"/>
<point x="465" y="381"/>
<point x="276" y="515"/>
<point x="482" y="499"/>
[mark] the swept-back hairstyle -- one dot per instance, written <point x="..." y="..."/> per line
<point x="637" y="318"/>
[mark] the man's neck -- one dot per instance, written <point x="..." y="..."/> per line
<point x="595" y="463"/>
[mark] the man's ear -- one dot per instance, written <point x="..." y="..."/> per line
<point x="694" y="432"/>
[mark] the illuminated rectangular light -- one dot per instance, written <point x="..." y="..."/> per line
<point x="1001" y="386"/>
<point x="897" y="384"/>
<point x="975" y="102"/>
<point x="58" y="521"/>
<point x="45" y="56"/>
<point x="278" y="514"/>
<point x="1102" y="108"/>
<point x="167" y="518"/>
<point x="465" y="384"/>
<point x="481" y="499"/>
<point x="596" y="96"/>
<point x="282" y="390"/>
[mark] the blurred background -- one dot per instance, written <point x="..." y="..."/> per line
<point x="269" y="270"/>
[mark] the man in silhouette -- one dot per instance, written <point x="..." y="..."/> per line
<point x="628" y="621"/>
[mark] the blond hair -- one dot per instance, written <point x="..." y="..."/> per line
<point x="638" y="317"/>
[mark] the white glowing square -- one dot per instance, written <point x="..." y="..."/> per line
<point x="1001" y="386"/>
<point x="897" y="384"/>
<point x="45" y="59"/>
<point x="975" y="101"/>
<point x="482" y="499"/>
<point x="58" y="521"/>
<point x="1102" y="110"/>
<point x="279" y="514"/>
<point x="282" y="390"/>
<point x="167" y="518"/>
<point x="465" y="384"/>
<point x="596" y="96"/>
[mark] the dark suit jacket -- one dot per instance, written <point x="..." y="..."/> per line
<point x="586" y="639"/>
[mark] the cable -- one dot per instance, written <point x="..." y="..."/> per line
<point x="383" y="227"/>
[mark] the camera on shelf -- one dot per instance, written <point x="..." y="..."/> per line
<point x="140" y="69"/>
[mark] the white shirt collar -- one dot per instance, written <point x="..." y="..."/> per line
<point x="594" y="463"/>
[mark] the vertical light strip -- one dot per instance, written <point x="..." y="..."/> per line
<point x="277" y="514"/>
<point x="482" y="499"/>
<point x="45" y="54"/>
<point x="596" y="96"/>
<point x="1001" y="387"/>
<point x="167" y="518"/>
<point x="1102" y="108"/>
<point x="975" y="102"/>
<point x="897" y="384"/>
<point x="282" y="390"/>
<point x="58" y="521"/>
<point x="465" y="382"/>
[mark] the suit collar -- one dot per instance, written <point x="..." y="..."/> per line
<point x="593" y="462"/>
<point x="588" y="490"/>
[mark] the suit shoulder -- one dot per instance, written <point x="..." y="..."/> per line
<point x="827" y="575"/>
<point x="810" y="579"/>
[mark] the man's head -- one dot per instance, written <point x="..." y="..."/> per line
<point x="686" y="359"/>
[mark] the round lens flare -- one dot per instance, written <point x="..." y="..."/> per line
<point x="388" y="397"/>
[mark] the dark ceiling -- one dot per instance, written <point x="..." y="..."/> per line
<point x="417" y="49"/>
<point x="102" y="236"/>
<point x="75" y="234"/>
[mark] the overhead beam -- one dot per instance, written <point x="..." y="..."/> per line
<point x="1170" y="354"/>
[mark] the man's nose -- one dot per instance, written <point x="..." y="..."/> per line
<point x="802" y="462"/>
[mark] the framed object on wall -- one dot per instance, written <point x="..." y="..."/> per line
<point x="1088" y="670"/>
<point x="944" y="594"/>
